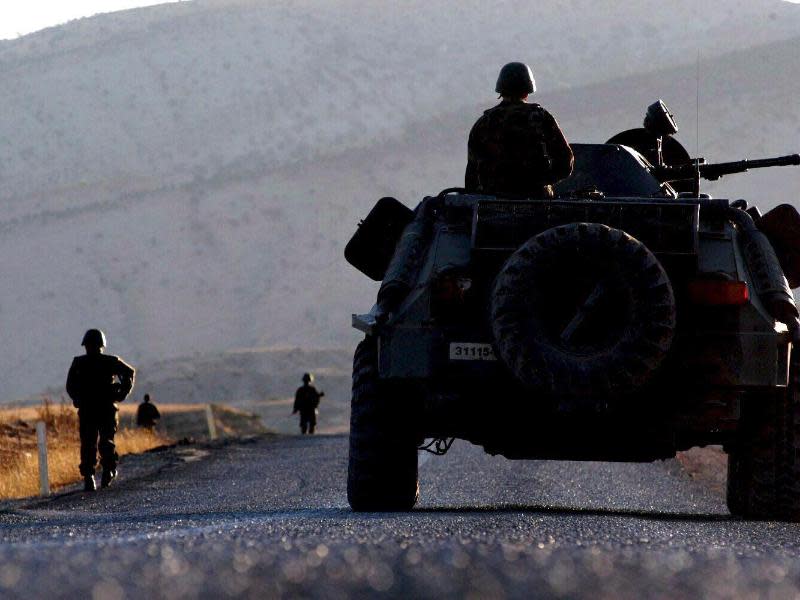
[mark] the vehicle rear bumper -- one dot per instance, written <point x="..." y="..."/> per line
<point x="698" y="359"/>
<point x="735" y="360"/>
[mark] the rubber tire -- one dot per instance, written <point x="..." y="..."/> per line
<point x="382" y="467"/>
<point x="738" y="475"/>
<point x="531" y="277"/>
<point x="764" y="463"/>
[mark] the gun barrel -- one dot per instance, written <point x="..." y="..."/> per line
<point x="780" y="161"/>
<point x="714" y="171"/>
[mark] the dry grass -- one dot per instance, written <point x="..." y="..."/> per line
<point x="126" y="409"/>
<point x="19" y="469"/>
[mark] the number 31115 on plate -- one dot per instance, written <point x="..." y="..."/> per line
<point x="471" y="351"/>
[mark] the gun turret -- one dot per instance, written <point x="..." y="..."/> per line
<point x="713" y="171"/>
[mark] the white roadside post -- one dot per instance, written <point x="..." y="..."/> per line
<point x="212" y="424"/>
<point x="44" y="476"/>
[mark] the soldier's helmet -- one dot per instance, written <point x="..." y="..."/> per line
<point x="515" y="80"/>
<point x="659" y="121"/>
<point x="94" y="337"/>
<point x="308" y="378"/>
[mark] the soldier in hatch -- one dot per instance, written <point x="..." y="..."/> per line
<point x="96" y="383"/>
<point x="306" y="402"/>
<point x="516" y="149"/>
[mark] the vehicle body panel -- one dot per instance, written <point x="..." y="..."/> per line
<point x="719" y="354"/>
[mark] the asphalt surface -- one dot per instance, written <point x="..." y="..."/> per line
<point x="268" y="518"/>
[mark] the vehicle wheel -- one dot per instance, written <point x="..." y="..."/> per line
<point x="382" y="468"/>
<point x="736" y="496"/>
<point x="764" y="463"/>
<point x="583" y="310"/>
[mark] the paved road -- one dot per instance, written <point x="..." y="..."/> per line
<point x="268" y="518"/>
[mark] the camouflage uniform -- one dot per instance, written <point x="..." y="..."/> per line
<point x="306" y="402"/>
<point x="517" y="149"/>
<point x="97" y="383"/>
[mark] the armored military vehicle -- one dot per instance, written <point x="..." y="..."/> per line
<point x="621" y="321"/>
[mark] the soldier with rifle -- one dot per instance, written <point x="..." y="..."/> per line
<point x="96" y="383"/>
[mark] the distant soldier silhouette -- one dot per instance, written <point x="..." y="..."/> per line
<point x="96" y="383"/>
<point x="516" y="149"/>
<point x="147" y="414"/>
<point x="306" y="402"/>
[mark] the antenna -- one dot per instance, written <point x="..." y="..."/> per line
<point x="697" y="130"/>
<point x="697" y="107"/>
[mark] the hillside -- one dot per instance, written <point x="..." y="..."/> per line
<point x="137" y="100"/>
<point x="186" y="176"/>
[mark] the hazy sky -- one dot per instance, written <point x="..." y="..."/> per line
<point x="18" y="17"/>
<point x="25" y="16"/>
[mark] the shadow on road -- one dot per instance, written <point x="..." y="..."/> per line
<point x="568" y="510"/>
<point x="188" y="520"/>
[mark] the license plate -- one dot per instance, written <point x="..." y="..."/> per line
<point x="471" y="351"/>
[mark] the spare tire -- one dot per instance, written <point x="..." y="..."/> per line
<point x="583" y="310"/>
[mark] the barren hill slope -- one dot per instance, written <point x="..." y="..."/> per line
<point x="133" y="100"/>
<point x="186" y="176"/>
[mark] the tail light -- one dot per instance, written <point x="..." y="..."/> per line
<point x="448" y="292"/>
<point x="718" y="292"/>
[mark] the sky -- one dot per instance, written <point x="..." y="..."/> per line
<point x="26" y="16"/>
<point x="22" y="17"/>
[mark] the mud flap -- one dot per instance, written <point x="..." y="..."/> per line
<point x="781" y="225"/>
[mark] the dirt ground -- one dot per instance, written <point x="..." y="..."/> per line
<point x="709" y="465"/>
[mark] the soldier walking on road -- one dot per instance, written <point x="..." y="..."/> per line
<point x="96" y="383"/>
<point x="516" y="149"/>
<point x="147" y="414"/>
<point x="306" y="402"/>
